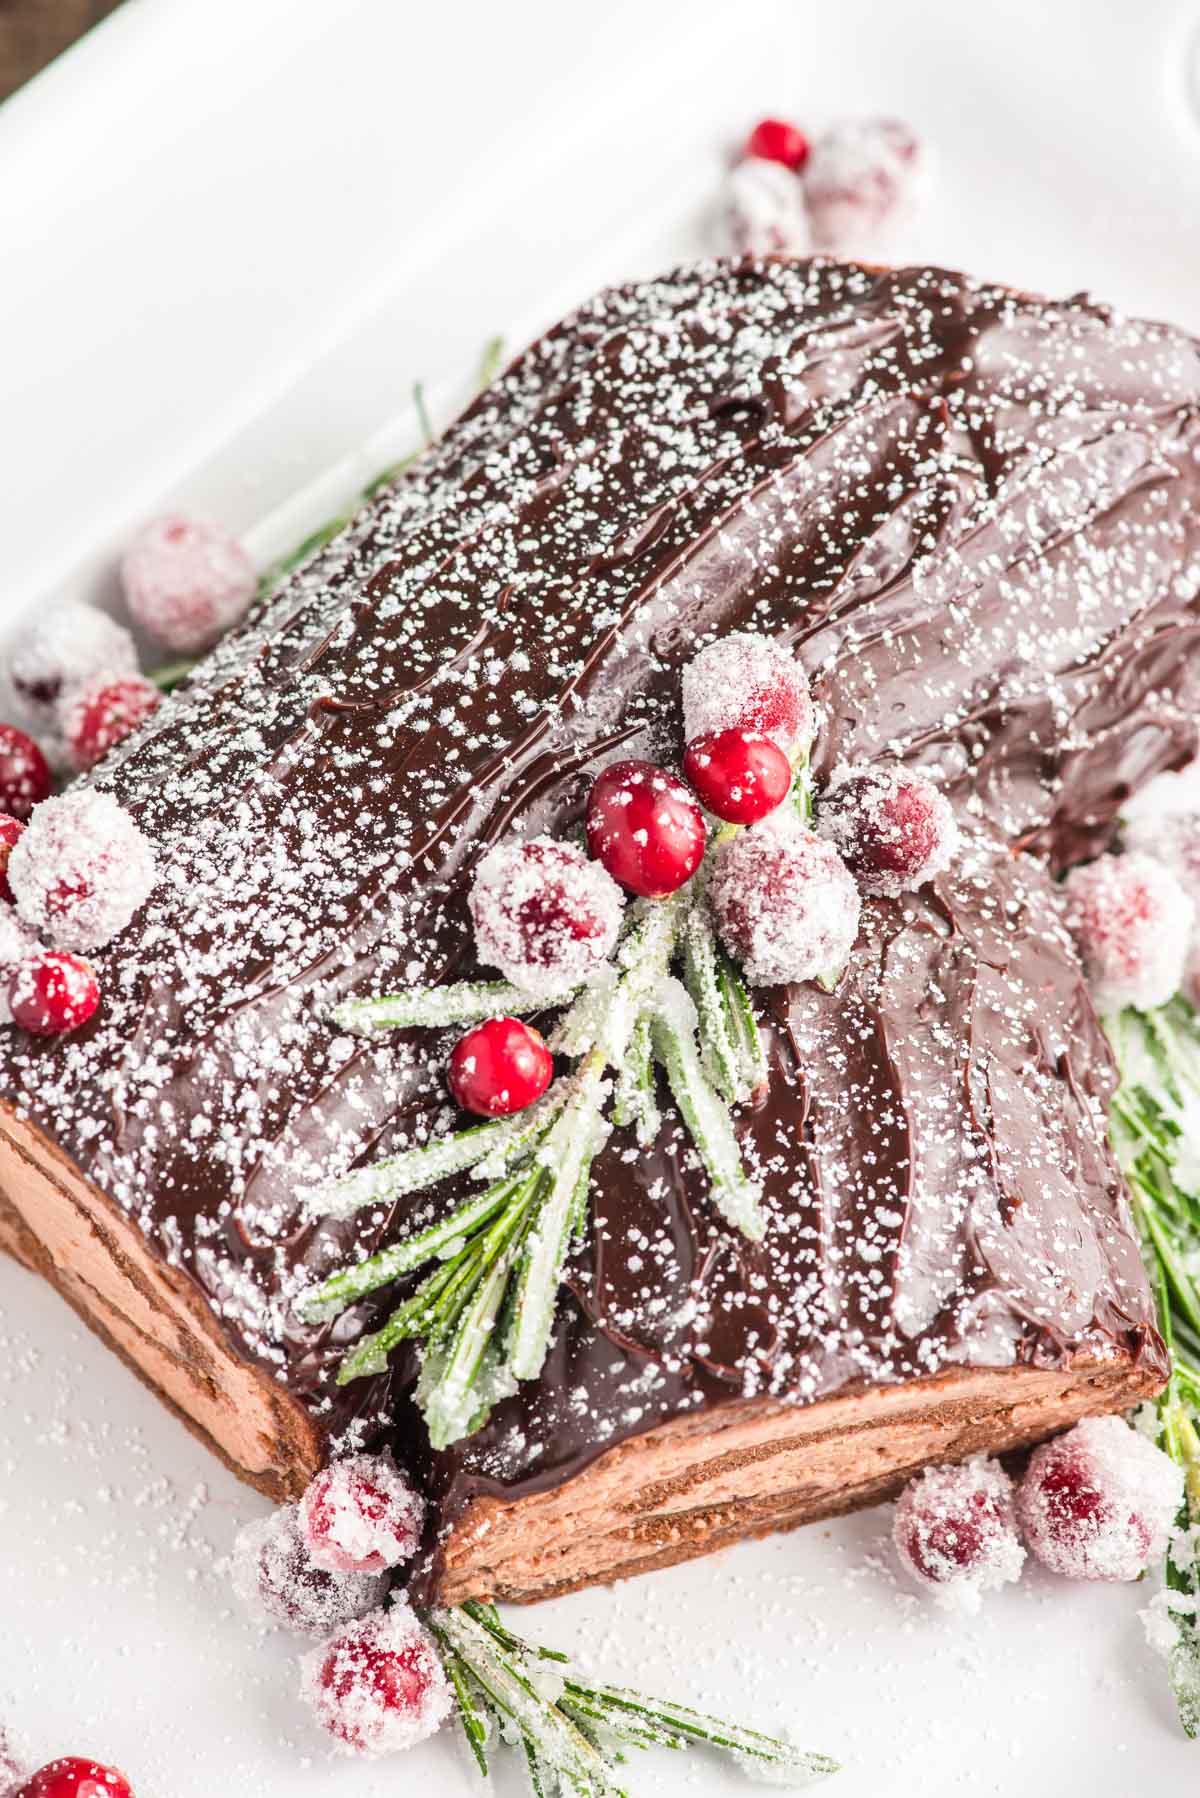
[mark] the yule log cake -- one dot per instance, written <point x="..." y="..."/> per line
<point x="972" y="516"/>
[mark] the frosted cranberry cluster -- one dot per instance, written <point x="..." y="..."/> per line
<point x="784" y="898"/>
<point x="322" y="1568"/>
<point x="74" y="870"/>
<point x="1097" y="1503"/>
<point x="846" y="192"/>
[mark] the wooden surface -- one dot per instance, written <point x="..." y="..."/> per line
<point x="34" y="32"/>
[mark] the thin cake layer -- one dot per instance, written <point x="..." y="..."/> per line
<point x="972" y="514"/>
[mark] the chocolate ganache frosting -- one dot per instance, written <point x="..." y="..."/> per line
<point x="972" y="514"/>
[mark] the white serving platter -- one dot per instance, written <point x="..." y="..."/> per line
<point x="232" y="237"/>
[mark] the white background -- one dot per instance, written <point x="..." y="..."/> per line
<point x="231" y="237"/>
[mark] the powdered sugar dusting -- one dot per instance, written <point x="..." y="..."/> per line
<point x="186" y="581"/>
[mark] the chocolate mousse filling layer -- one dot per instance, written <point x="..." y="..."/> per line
<point x="972" y="514"/>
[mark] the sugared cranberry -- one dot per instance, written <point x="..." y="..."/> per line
<point x="10" y="830"/>
<point x="644" y="827"/>
<point x="740" y="775"/>
<point x="747" y="682"/>
<point x="53" y="993"/>
<point x="763" y="211"/>
<point x="1175" y="840"/>
<point x="24" y="773"/>
<point x="499" y="1067"/>
<point x="360" y="1515"/>
<point x="1132" y="923"/>
<point x="275" y="1576"/>
<point x="863" y="179"/>
<point x="81" y="869"/>
<point x="955" y="1531"/>
<point x="893" y="829"/>
<point x="544" y="914"/>
<point x="1099" y="1502"/>
<point x="377" y="1686"/>
<point x="98" y="715"/>
<point x="18" y="944"/>
<point x="61" y="651"/>
<point x="784" y="903"/>
<point x="775" y="140"/>
<point x="71" y="1777"/>
<point x="186" y="582"/>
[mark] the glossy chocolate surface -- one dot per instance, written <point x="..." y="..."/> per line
<point x="973" y="515"/>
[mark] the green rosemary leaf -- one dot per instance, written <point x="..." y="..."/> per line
<point x="173" y="674"/>
<point x="352" y="1283"/>
<point x="635" y="1099"/>
<point x="744" y="1027"/>
<point x="702" y="976"/>
<point x="449" y="1389"/>
<point x="735" y="1195"/>
<point x="414" y="1169"/>
<point x="567" y="1153"/>
<point x="391" y="473"/>
<point x="490" y="362"/>
<point x="476" y="1724"/>
<point x="435" y="1007"/>
<point x="749" y="1745"/>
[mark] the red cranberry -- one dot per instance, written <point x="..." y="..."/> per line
<point x="783" y="901"/>
<point x="954" y="1530"/>
<point x="644" y="827"/>
<point x="10" y="830"/>
<point x="1099" y="1502"/>
<point x="378" y="1685"/>
<point x="894" y="830"/>
<point x="545" y="915"/>
<point x="361" y="1515"/>
<point x="24" y="774"/>
<point x="740" y="775"/>
<point x="1133" y="925"/>
<point x="187" y="582"/>
<point x="53" y="993"/>
<point x="276" y="1576"/>
<point x="103" y="713"/>
<point x="775" y="140"/>
<point x="744" y="681"/>
<point x="81" y="870"/>
<point x="71" y="1777"/>
<point x="499" y="1067"/>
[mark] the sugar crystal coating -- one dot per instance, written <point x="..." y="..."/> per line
<point x="1132" y="922"/>
<point x="784" y="903"/>
<point x="18" y="944"/>
<point x="186" y="582"/>
<point x="1099" y="1502"/>
<point x="894" y="830"/>
<point x="955" y="1531"/>
<point x="747" y="682"/>
<point x="61" y="651"/>
<point x="377" y="1686"/>
<point x="276" y="1577"/>
<point x="362" y="1515"/>
<point x="544" y="914"/>
<point x="24" y="772"/>
<point x="81" y="870"/>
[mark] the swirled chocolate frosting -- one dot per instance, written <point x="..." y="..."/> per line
<point x="972" y="514"/>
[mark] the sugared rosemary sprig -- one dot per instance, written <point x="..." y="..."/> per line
<point x="485" y="1308"/>
<point x="1155" y="1127"/>
<point x="572" y="1733"/>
